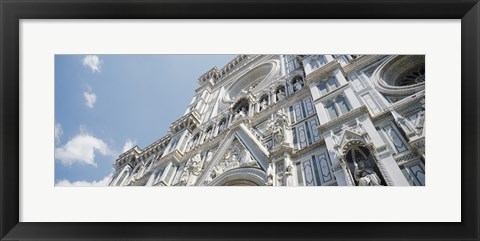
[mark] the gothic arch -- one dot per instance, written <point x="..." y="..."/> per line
<point x="241" y="104"/>
<point x="241" y="176"/>
<point x="360" y="154"/>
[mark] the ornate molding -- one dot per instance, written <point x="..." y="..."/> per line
<point x="349" y="116"/>
<point x="254" y="175"/>
<point x="323" y="72"/>
<point x="360" y="63"/>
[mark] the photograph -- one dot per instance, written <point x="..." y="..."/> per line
<point x="239" y="120"/>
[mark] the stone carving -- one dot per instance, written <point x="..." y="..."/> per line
<point x="289" y="180"/>
<point x="235" y="157"/>
<point x="241" y="113"/>
<point x="270" y="175"/>
<point x="419" y="124"/>
<point x="403" y="123"/>
<point x="334" y="138"/>
<point x="263" y="104"/>
<point x="192" y="170"/>
<point x="277" y="125"/>
<point x="222" y="125"/>
<point x="359" y="128"/>
<point x="366" y="176"/>
<point x="280" y="95"/>
<point x="208" y="135"/>
<point x="298" y="85"/>
<point x="247" y="160"/>
<point x="185" y="175"/>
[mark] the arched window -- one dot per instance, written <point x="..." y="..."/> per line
<point x="331" y="110"/>
<point x="343" y="105"/>
<point x="291" y="63"/>
<point x="326" y="86"/>
<point x="317" y="61"/>
<point x="337" y="107"/>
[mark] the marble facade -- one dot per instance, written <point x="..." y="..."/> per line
<point x="293" y="120"/>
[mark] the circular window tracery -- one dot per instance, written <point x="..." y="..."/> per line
<point x="401" y="75"/>
<point x="414" y="77"/>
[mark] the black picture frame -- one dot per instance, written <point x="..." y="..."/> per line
<point x="12" y="11"/>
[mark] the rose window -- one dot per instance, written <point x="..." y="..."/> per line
<point x="413" y="77"/>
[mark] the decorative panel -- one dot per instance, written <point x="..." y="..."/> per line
<point x="325" y="168"/>
<point x="357" y="83"/>
<point x="310" y="109"/>
<point x="371" y="104"/>
<point x="298" y="112"/>
<point x="395" y="139"/>
<point x="418" y="173"/>
<point x="314" y="130"/>
<point x="302" y="137"/>
<point x="308" y="171"/>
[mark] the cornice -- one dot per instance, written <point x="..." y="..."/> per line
<point x="343" y="118"/>
<point x="312" y="147"/>
<point x="400" y="105"/>
<point x="189" y="120"/>
<point x="332" y="94"/>
<point x="360" y="63"/>
<point x="323" y="72"/>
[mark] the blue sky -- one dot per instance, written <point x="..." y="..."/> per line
<point x="107" y="103"/>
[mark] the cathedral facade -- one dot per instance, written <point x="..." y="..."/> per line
<point x="293" y="120"/>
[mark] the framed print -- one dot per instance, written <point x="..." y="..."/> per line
<point x="305" y="98"/>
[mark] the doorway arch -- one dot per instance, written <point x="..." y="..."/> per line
<point x="241" y="177"/>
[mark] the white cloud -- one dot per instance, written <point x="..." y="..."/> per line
<point x="92" y="62"/>
<point x="82" y="149"/>
<point x="128" y="145"/>
<point x="100" y="183"/>
<point x="90" y="98"/>
<point x="58" y="132"/>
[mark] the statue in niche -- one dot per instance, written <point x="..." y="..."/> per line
<point x="185" y="175"/>
<point x="420" y="122"/>
<point x="366" y="176"/>
<point x="222" y="125"/>
<point x="289" y="181"/>
<point x="280" y="94"/>
<point x="277" y="126"/>
<point x="191" y="170"/>
<point x="270" y="175"/>
<point x="208" y="135"/>
<point x="263" y="104"/>
<point x="298" y="85"/>
<point x="194" y="169"/>
<point x="241" y="113"/>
